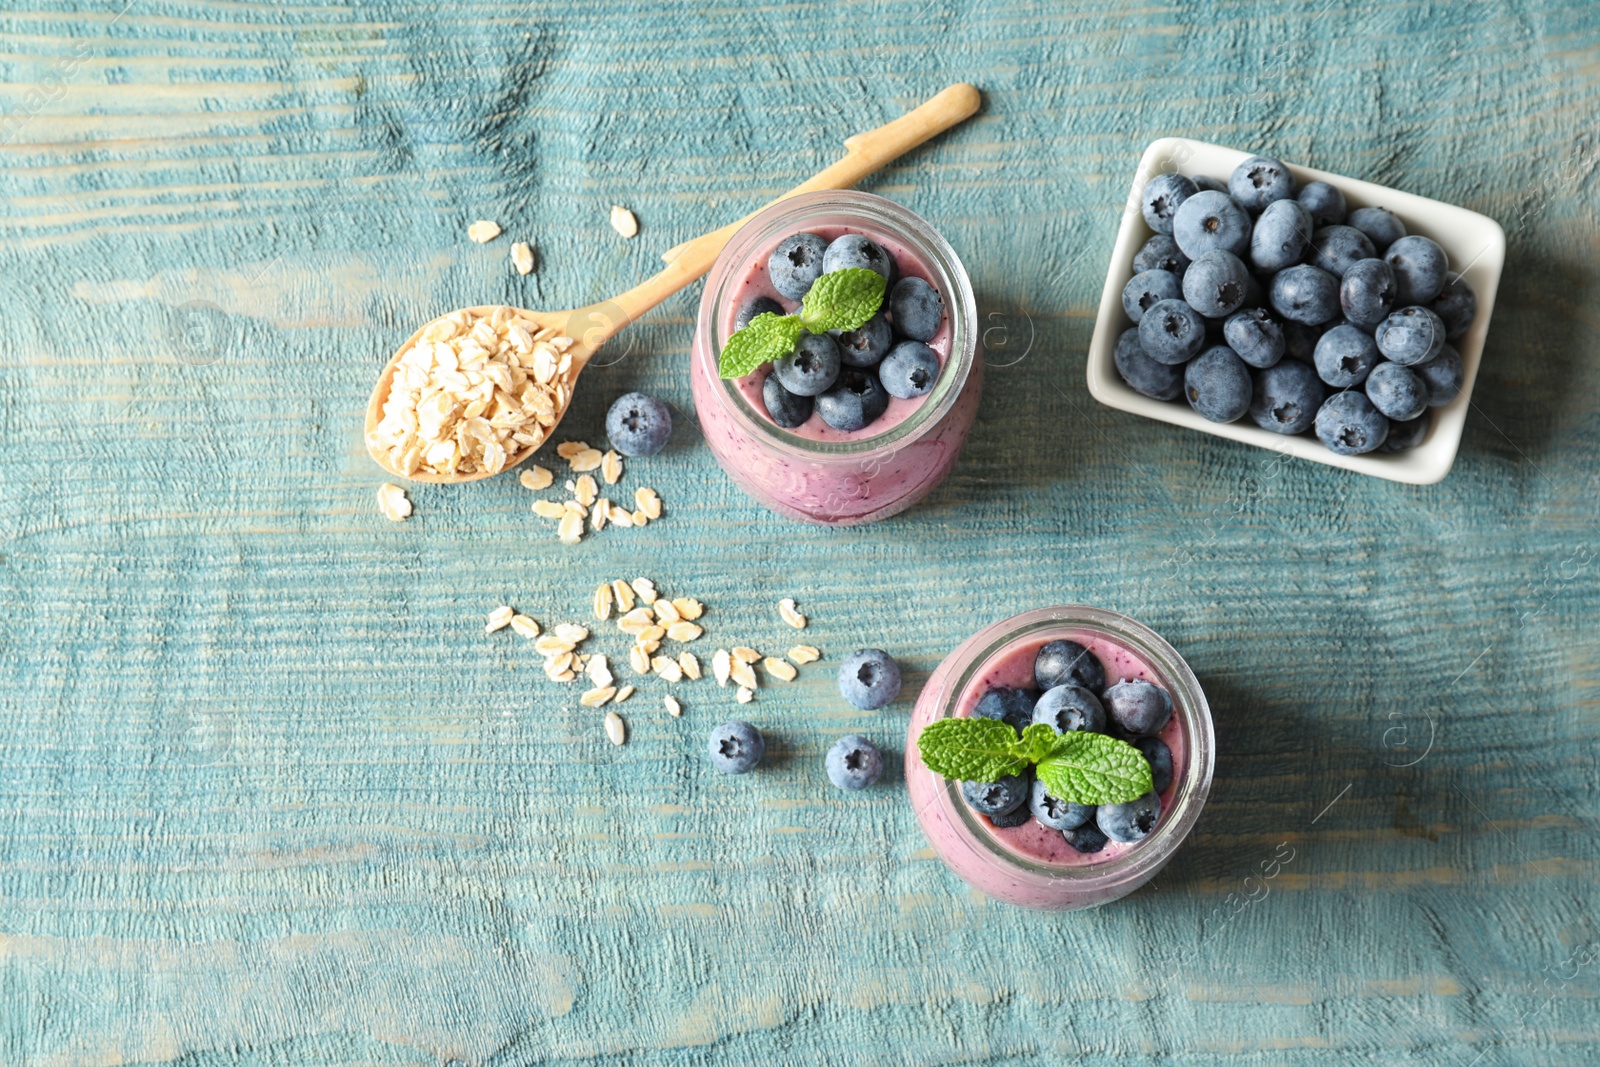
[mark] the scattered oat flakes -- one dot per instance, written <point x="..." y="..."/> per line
<point x="674" y="708"/>
<point x="688" y="608"/>
<point x="598" y="670"/>
<point x="393" y="502"/>
<point x="499" y="618"/>
<point x="640" y="518"/>
<point x="536" y="478"/>
<point x="549" y="509"/>
<point x="623" y="694"/>
<point x="667" y="669"/>
<point x="790" y="614"/>
<point x="611" y="467"/>
<point x="639" y="659"/>
<point x="650" y="645"/>
<point x="742" y="674"/>
<point x="597" y="696"/>
<point x="622" y="221"/>
<point x="522" y="257"/>
<point x="721" y="665"/>
<point x="587" y="460"/>
<point x="524" y="626"/>
<point x="483" y="231"/>
<point x="602" y="602"/>
<point x="690" y="665"/>
<point x="803" y="654"/>
<point x="616" y="730"/>
<point x="684" y="631"/>
<point x="597" y="516"/>
<point x="587" y="490"/>
<point x="746" y="694"/>
<point x="780" y="668"/>
<point x="567" y="449"/>
<point x="552" y="645"/>
<point x="646" y="500"/>
<point x="620" y="516"/>
<point x="652" y="635"/>
<point x="745" y="655"/>
<point x="636" y="621"/>
<point x="665" y="612"/>
<point x="571" y="631"/>
<point x="624" y="594"/>
<point x="570" y="531"/>
<point x="646" y="590"/>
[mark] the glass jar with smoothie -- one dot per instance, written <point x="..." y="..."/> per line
<point x="1015" y="856"/>
<point x="856" y="452"/>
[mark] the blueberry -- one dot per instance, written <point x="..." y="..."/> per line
<point x="1130" y="822"/>
<point x="1068" y="663"/>
<point x="786" y="409"/>
<point x="1216" y="284"/>
<point x="1336" y="249"/>
<point x="736" y="747"/>
<point x="1085" y="839"/>
<point x="1000" y="797"/>
<point x="812" y="368"/>
<point x="1159" y="756"/>
<point x="855" y="401"/>
<point x="869" y="678"/>
<point x="1057" y="814"/>
<point x="1442" y="376"/>
<point x="1149" y="377"/>
<point x="1325" y="203"/>
<point x="1011" y="819"/>
<point x="1410" y="336"/>
<point x="1161" y="253"/>
<point x="1208" y="221"/>
<point x="909" y="370"/>
<point x="866" y="347"/>
<point x="1217" y="384"/>
<point x="1382" y="226"/>
<point x="1420" y="266"/>
<point x="1138" y="708"/>
<point x="1300" y="342"/>
<point x="1161" y="197"/>
<point x="1286" y="397"/>
<point x="1349" y="425"/>
<point x="1344" y="356"/>
<point x="796" y="263"/>
<point x="1281" y="236"/>
<point x="1397" y="391"/>
<point x="1070" y="709"/>
<point x="1305" y="294"/>
<point x="1255" y="335"/>
<point x="1404" y="436"/>
<point x="638" y="424"/>
<point x="1366" y="292"/>
<point x="1206" y="183"/>
<point x="916" y="308"/>
<point x="1259" y="181"/>
<point x="1014" y="706"/>
<point x="1146" y="289"/>
<point x="1455" y="305"/>
<point x="761" y="305"/>
<point x="1171" y="331"/>
<point x="855" y="250"/>
<point x="853" y="762"/>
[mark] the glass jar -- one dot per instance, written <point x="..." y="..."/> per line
<point x="837" y="482"/>
<point x="965" y="840"/>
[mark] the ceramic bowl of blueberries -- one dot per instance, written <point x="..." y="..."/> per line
<point x="1316" y="315"/>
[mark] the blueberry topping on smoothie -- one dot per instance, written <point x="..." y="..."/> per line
<point x="855" y="400"/>
<point x="866" y="347"/>
<point x="909" y="370"/>
<point x="736" y="747"/>
<point x="1020" y="817"/>
<point x="1129" y="822"/>
<point x="1070" y="708"/>
<point x="761" y="305"/>
<point x="1008" y="704"/>
<point x="999" y="797"/>
<point x="638" y="424"/>
<point x="811" y="368"/>
<point x="916" y="308"/>
<point x="1160" y="756"/>
<point x="1138" y="708"/>
<point x="869" y="678"/>
<point x="795" y="264"/>
<point x="786" y="409"/>
<point x="1057" y="814"/>
<point x="1086" y="839"/>
<point x="857" y="250"/>
<point x="1068" y="663"/>
<point x="853" y="762"/>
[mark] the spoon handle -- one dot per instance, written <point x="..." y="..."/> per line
<point x="864" y="154"/>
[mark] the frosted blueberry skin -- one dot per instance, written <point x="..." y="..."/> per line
<point x="736" y="747"/>
<point x="1349" y="425"/>
<point x="1013" y="706"/>
<point x="1456" y="305"/>
<point x="1344" y="356"/>
<point x="1172" y="332"/>
<point x="1325" y="203"/>
<point x="1260" y="181"/>
<point x="1305" y="294"/>
<point x="638" y="424"/>
<point x="1130" y="822"/>
<point x="1382" y="226"/>
<point x="869" y="679"/>
<point x="1256" y="336"/>
<point x="1281" y="236"/>
<point x="796" y="263"/>
<point x="853" y="763"/>
<point x="854" y="401"/>
<point x="858" y="250"/>
<point x="1442" y="375"/>
<point x="1161" y="252"/>
<point x="1147" y="289"/>
<point x="1138" y="708"/>
<point x="1217" y="384"/>
<point x="1419" y="266"/>
<point x="866" y="346"/>
<point x="812" y="368"/>
<point x="1159" y="756"/>
<point x="1068" y="663"/>
<point x="786" y="409"/>
<point x="909" y="370"/>
<point x="1208" y="221"/>
<point x="1161" y="198"/>
<point x="1404" y="436"/>
<point x="761" y="305"/>
<point x="1367" y="292"/>
<point x="1146" y="376"/>
<point x="1216" y="284"/>
<point x="1410" y="336"/>
<point x="1061" y="814"/>
<point x="916" y="308"/>
<point x="1286" y="398"/>
<point x="1336" y="249"/>
<point x="1396" y="391"/>
<point x="1000" y="797"/>
<point x="1070" y="709"/>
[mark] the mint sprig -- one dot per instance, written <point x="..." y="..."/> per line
<point x="1079" y="768"/>
<point x="841" y="300"/>
<point x="767" y="337"/>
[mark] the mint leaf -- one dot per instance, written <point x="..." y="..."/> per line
<point x="842" y="300"/>
<point x="767" y="337"/>
<point x="970" y="750"/>
<point x="1084" y="768"/>
<point x="1036" y="743"/>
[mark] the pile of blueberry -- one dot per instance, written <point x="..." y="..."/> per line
<point x="848" y="378"/>
<point x="1073" y="695"/>
<point x="1262" y="299"/>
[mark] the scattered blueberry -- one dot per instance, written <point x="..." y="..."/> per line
<point x="909" y="370"/>
<point x="866" y="346"/>
<point x="1161" y="197"/>
<point x="1410" y="336"/>
<point x="1146" y="289"/>
<point x="638" y="424"/>
<point x="1345" y="356"/>
<point x="1259" y="181"/>
<point x="1419" y="266"/>
<point x="812" y="368"/>
<point x="1068" y="663"/>
<point x="1208" y="221"/>
<point x="1217" y="384"/>
<point x="1382" y="226"/>
<point x="855" y="250"/>
<point x="796" y="263"/>
<point x="1161" y="252"/>
<point x="1349" y="425"/>
<point x="1397" y="391"/>
<point x="1366" y="292"/>
<point x="1159" y="756"/>
<point x="1286" y="397"/>
<point x="1336" y="249"/>
<point x="1137" y="707"/>
<point x="1085" y="839"/>
<point x="736" y="747"/>
<point x="786" y="409"/>
<point x="853" y="762"/>
<point x="855" y="401"/>
<point x="1149" y="377"/>
<point x="1305" y="294"/>
<point x="916" y="308"/>
<point x="1130" y="822"/>
<point x="1404" y="436"/>
<point x="869" y="678"/>
<point x="1054" y="813"/>
<point x="1281" y="237"/>
<point x="1014" y="706"/>
<point x="1070" y="709"/>
<point x="761" y="305"/>
<point x="1255" y="335"/>
<point x="1216" y="284"/>
<point x="1442" y="376"/>
<point x="1000" y="797"/>
<point x="1455" y="305"/>
<point x="1172" y="331"/>
<point x="1325" y="203"/>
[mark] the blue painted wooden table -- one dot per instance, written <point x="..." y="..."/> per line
<point x="270" y="796"/>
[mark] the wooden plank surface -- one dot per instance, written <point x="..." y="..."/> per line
<point x="268" y="794"/>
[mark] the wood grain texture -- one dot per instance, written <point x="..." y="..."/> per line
<point x="270" y="796"/>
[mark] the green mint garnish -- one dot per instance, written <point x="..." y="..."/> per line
<point x="842" y="300"/>
<point x="766" y="338"/>
<point x="1079" y="768"/>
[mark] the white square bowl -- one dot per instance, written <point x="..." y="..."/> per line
<point x="1468" y="238"/>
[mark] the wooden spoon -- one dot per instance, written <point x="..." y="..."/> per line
<point x="571" y="338"/>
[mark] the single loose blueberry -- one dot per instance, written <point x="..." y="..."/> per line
<point x="1159" y="756"/>
<point x="1208" y="221"/>
<point x="1054" y="813"/>
<point x="1404" y="436"/>
<point x="869" y="678"/>
<point x="1366" y="292"/>
<point x="1070" y="709"/>
<point x="1382" y="226"/>
<point x="1325" y="203"/>
<point x="1336" y="249"/>
<point x="812" y="368"/>
<point x="1216" y="284"/>
<point x="1410" y="336"/>
<point x="1171" y="331"/>
<point x="1305" y="294"/>
<point x="1161" y="197"/>
<point x="1344" y="356"/>
<point x="1396" y="391"/>
<point x="856" y="250"/>
<point x="1014" y="706"/>
<point x="1259" y="181"/>
<point x="796" y="263"/>
<point x="916" y="308"/>
<point x="866" y="346"/>
<point x="1064" y="662"/>
<point x="1281" y="236"/>
<point x="1161" y="252"/>
<point x="1130" y="822"/>
<point x="1349" y="425"/>
<point x="1419" y="266"/>
<point x="638" y="424"/>
<point x="1085" y="839"/>
<point x="1000" y="797"/>
<point x="761" y="305"/>
<point x="1217" y="384"/>
<point x="1442" y="375"/>
<point x="909" y="370"/>
<point x="1138" y="708"/>
<point x="786" y="409"/>
<point x="1286" y="398"/>
<point x="736" y="747"/>
<point x="1300" y="342"/>
<point x="1456" y="305"/>
<point x="1205" y="183"/>
<point x="1148" y="288"/>
<point x="855" y="401"/>
<point x="1255" y="335"/>
<point x="853" y="762"/>
<point x="1146" y="376"/>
